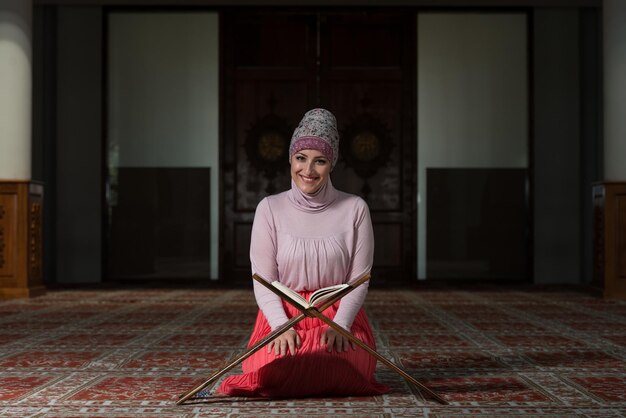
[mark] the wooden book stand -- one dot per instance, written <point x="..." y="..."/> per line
<point x="315" y="312"/>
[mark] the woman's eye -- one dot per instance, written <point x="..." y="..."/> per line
<point x="321" y="162"/>
<point x="299" y="158"/>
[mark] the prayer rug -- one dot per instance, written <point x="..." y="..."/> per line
<point x="490" y="351"/>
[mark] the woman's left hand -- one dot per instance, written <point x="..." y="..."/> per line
<point x="332" y="339"/>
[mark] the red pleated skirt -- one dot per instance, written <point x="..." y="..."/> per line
<point x="312" y="371"/>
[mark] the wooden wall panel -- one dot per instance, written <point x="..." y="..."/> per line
<point x="160" y="224"/>
<point x="242" y="245"/>
<point x="8" y="236"/>
<point x="21" y="244"/>
<point x="388" y="246"/>
<point x="35" y="234"/>
<point x="598" y="235"/>
<point x="620" y="238"/>
<point x="477" y="223"/>
<point x="609" y="238"/>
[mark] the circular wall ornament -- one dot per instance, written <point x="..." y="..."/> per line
<point x="267" y="144"/>
<point x="366" y="145"/>
<point x="271" y="146"/>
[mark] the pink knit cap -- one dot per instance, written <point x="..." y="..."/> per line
<point x="317" y="130"/>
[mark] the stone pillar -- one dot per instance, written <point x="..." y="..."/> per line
<point x="614" y="51"/>
<point x="21" y="199"/>
<point x="16" y="86"/>
<point x="609" y="196"/>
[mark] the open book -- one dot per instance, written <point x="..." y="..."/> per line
<point x="317" y="297"/>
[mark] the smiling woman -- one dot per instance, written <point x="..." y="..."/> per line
<point x="314" y="150"/>
<point x="309" y="237"/>
<point x="310" y="170"/>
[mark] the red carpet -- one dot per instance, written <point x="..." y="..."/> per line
<point x="489" y="351"/>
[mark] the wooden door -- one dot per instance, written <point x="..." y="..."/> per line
<point x="367" y="79"/>
<point x="358" y="65"/>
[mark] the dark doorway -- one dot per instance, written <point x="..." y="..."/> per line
<point x="359" y="65"/>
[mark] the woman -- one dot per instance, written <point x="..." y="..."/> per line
<point x="309" y="237"/>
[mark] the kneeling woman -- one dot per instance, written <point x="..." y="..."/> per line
<point x="309" y="237"/>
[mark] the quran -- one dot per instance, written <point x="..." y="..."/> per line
<point x="320" y="295"/>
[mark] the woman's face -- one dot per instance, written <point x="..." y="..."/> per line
<point x="310" y="170"/>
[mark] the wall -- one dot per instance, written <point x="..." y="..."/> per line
<point x="558" y="195"/>
<point x="591" y="128"/>
<point x="472" y="97"/>
<point x="78" y="148"/>
<point x="614" y="18"/>
<point x="15" y="88"/>
<point x="44" y="127"/>
<point x="163" y="96"/>
<point x="557" y="143"/>
<point x="181" y="131"/>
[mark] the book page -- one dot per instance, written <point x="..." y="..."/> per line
<point x="293" y="295"/>
<point x="325" y="293"/>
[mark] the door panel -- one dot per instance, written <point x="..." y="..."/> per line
<point x="262" y="135"/>
<point x="269" y="79"/>
<point x="362" y="72"/>
<point x="367" y="80"/>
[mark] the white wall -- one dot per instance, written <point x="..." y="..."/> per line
<point x="15" y="89"/>
<point x="472" y="97"/>
<point x="163" y="96"/>
<point x="614" y="33"/>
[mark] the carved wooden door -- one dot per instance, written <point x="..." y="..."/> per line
<point x="358" y="65"/>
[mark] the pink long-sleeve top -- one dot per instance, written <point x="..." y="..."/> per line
<point x="308" y="242"/>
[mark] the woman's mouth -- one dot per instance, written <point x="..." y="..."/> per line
<point x="307" y="179"/>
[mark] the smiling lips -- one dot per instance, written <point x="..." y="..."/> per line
<point x="308" y="179"/>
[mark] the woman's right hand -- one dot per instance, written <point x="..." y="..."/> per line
<point x="288" y="340"/>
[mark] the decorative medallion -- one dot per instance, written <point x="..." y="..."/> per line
<point x="366" y="146"/>
<point x="34" y="241"/>
<point x="267" y="145"/>
<point x="271" y="146"/>
<point x="2" y="244"/>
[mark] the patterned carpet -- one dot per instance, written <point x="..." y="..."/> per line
<point x="490" y="351"/>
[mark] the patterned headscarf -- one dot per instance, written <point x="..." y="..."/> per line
<point x="317" y="130"/>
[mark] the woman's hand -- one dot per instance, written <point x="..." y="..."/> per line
<point x="332" y="339"/>
<point x="288" y="340"/>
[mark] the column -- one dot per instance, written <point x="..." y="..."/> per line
<point x="15" y="85"/>
<point x="20" y="199"/>
<point x="614" y="24"/>
<point x="610" y="195"/>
